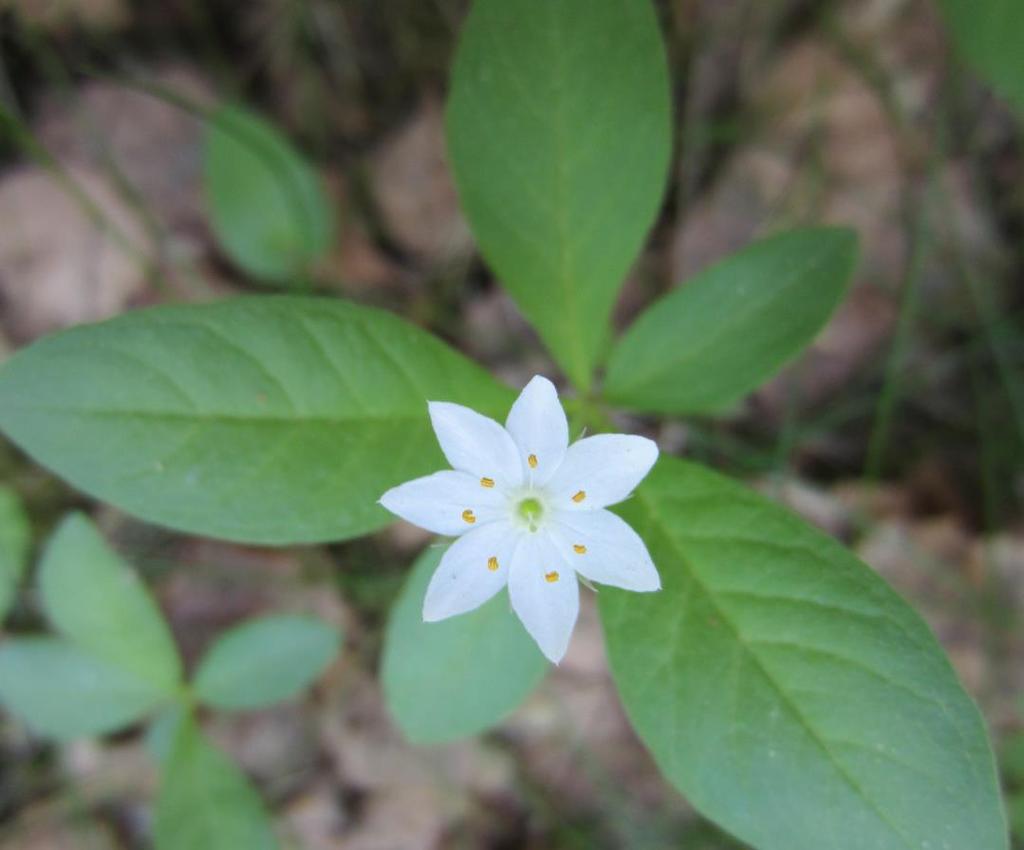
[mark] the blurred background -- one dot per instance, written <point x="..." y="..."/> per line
<point x="900" y="432"/>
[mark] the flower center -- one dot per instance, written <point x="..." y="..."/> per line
<point x="529" y="508"/>
<point x="530" y="511"/>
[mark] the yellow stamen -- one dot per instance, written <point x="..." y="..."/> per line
<point x="467" y="515"/>
<point x="551" y="577"/>
<point x="580" y="496"/>
<point x="532" y="460"/>
<point x="486" y="482"/>
<point x="492" y="564"/>
<point x="579" y="548"/>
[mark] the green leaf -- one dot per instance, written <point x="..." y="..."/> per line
<point x="785" y="689"/>
<point x="1012" y="759"/>
<point x="163" y="731"/>
<point x="267" y="206"/>
<point x="266" y="419"/>
<point x="1015" y="812"/>
<point x="559" y="136"/>
<point x="63" y="691"/>
<point x="711" y="341"/>
<point x="15" y="540"/>
<point x="206" y="803"/>
<point x="454" y="678"/>
<point x="265" y="661"/>
<point x="97" y="601"/>
<point x="989" y="38"/>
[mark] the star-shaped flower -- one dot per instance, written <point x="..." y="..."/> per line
<point x="528" y="510"/>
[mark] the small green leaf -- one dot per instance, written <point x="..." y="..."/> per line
<point x="785" y="689"/>
<point x="454" y="678"/>
<point x="163" y="731"/>
<point x="265" y="661"/>
<point x="15" y="540"/>
<point x="711" y="341"/>
<point x="63" y="691"/>
<point x="266" y="419"/>
<point x="267" y="206"/>
<point x="989" y="37"/>
<point x="206" y="803"/>
<point x="1015" y="812"/>
<point x="559" y="133"/>
<point x="1012" y="759"/>
<point x="97" y="601"/>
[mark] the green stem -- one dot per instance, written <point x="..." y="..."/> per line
<point x="891" y="386"/>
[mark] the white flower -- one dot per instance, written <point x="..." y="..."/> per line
<point x="528" y="510"/>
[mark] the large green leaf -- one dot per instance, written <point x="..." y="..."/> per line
<point x="457" y="677"/>
<point x="95" y="600"/>
<point x="206" y="803"/>
<point x="989" y="35"/>
<point x="559" y="136"/>
<point x="267" y="207"/>
<point x="265" y="661"/>
<point x="265" y="419"/>
<point x="62" y="690"/>
<point x="714" y="339"/>
<point x="15" y="539"/>
<point x="785" y="689"/>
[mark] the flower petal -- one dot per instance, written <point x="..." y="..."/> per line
<point x="604" y="548"/>
<point x="474" y="568"/>
<point x="538" y="425"/>
<point x="475" y="444"/>
<point x="600" y="471"/>
<point x="446" y="502"/>
<point x="544" y="593"/>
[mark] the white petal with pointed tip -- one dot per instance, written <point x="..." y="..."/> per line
<point x="436" y="502"/>
<point x="464" y="579"/>
<point x="475" y="444"/>
<point x="538" y="425"/>
<point x="614" y="554"/>
<point x="605" y="468"/>
<point x="548" y="609"/>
